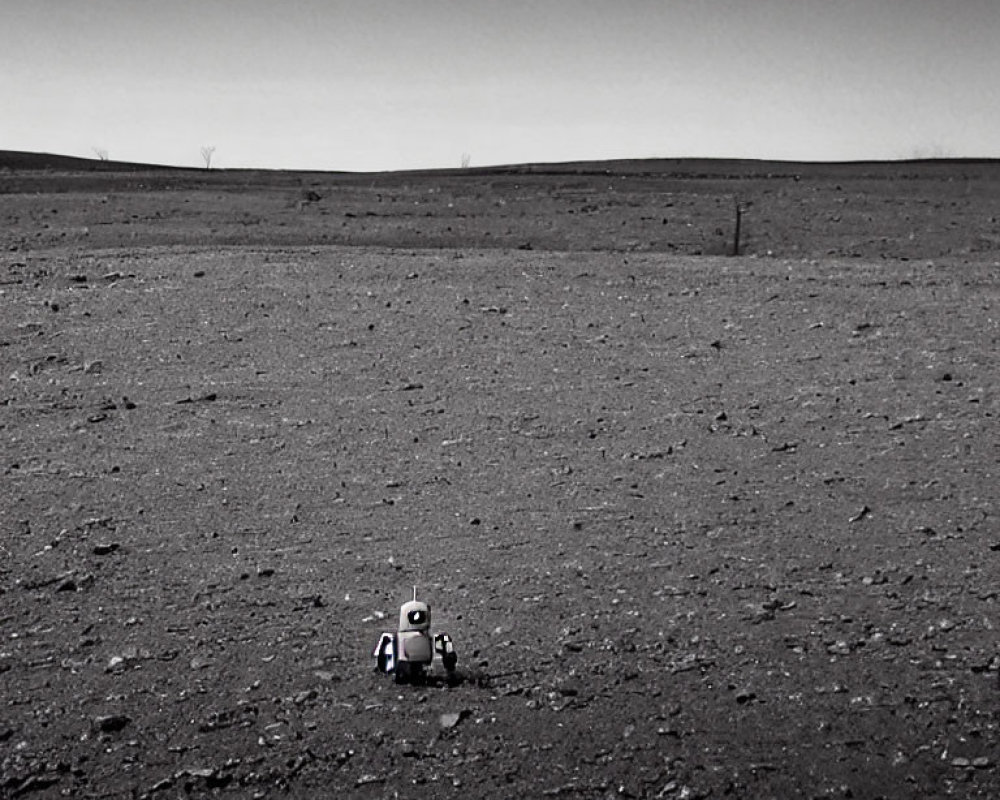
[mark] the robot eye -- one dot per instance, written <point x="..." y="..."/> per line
<point x="416" y="617"/>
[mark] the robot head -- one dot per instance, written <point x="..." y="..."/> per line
<point x="414" y="616"/>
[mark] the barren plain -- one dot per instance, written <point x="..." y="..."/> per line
<point x="701" y="525"/>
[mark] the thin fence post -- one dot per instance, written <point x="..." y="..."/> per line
<point x="739" y="225"/>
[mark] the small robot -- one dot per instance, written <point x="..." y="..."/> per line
<point x="407" y="652"/>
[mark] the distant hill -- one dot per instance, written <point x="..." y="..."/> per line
<point x="741" y="169"/>
<point x="713" y="168"/>
<point x="23" y="161"/>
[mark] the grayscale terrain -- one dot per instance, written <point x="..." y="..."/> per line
<point x="701" y="524"/>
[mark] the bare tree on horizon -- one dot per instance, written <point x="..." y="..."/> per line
<point x="206" y="153"/>
<point x="101" y="153"/>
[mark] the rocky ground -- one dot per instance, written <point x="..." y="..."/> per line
<point x="700" y="526"/>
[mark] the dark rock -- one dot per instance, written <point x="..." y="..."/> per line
<point x="112" y="723"/>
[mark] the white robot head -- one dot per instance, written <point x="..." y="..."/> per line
<point x="414" y="616"/>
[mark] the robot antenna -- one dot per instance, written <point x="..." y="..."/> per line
<point x="414" y="594"/>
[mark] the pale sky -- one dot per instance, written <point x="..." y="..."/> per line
<point x="397" y="84"/>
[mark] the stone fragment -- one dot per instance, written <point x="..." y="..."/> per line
<point x="864" y="512"/>
<point x="839" y="648"/>
<point x="111" y="723"/>
<point x="452" y="719"/>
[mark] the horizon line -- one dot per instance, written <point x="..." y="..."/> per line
<point x="107" y="164"/>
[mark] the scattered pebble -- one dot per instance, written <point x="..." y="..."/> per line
<point x="839" y="648"/>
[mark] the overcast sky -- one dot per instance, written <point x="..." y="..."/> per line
<point x="391" y="84"/>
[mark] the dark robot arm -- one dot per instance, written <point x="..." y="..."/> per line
<point x="445" y="648"/>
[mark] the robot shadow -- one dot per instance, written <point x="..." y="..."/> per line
<point x="440" y="680"/>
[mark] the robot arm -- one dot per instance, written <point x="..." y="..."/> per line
<point x="385" y="653"/>
<point x="445" y="648"/>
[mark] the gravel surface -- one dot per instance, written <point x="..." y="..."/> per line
<point x="699" y="526"/>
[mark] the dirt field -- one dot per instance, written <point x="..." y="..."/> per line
<point x="700" y="526"/>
